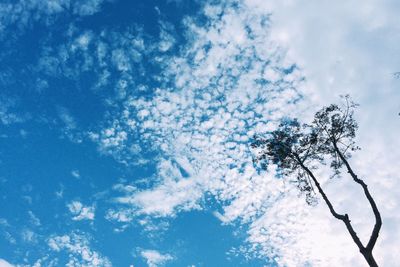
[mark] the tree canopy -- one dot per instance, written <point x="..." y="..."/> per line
<point x="298" y="149"/>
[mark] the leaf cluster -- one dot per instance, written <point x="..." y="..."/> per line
<point x="294" y="147"/>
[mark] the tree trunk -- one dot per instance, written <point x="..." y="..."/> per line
<point x="366" y="251"/>
<point x="370" y="259"/>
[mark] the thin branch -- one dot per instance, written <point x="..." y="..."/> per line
<point x="321" y="191"/>
<point x="346" y="146"/>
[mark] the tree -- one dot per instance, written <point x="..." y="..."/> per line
<point x="298" y="149"/>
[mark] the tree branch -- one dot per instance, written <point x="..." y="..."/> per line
<point x="344" y="218"/>
<point x="320" y="190"/>
<point x="378" y="219"/>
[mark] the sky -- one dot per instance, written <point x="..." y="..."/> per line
<point x="125" y="130"/>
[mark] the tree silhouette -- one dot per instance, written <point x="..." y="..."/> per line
<point x="297" y="149"/>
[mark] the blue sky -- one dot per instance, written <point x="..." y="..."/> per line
<point x="125" y="130"/>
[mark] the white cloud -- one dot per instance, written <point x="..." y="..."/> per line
<point x="204" y="125"/>
<point x="76" y="174"/>
<point x="80" y="253"/>
<point x="8" y="113"/>
<point x="173" y="192"/>
<point x="67" y="118"/>
<point x="81" y="212"/>
<point x="69" y="126"/>
<point x="155" y="258"/>
<point x="87" y="7"/>
<point x="29" y="236"/>
<point x="4" y="263"/>
<point x="233" y="80"/>
<point x="355" y="54"/>
<point x="83" y="40"/>
<point x="60" y="193"/>
<point x="34" y="219"/>
<point x="24" y="13"/>
<point x="113" y="58"/>
<point x="4" y="222"/>
<point x="167" y="40"/>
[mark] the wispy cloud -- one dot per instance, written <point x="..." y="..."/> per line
<point x="243" y="68"/>
<point x="76" y="174"/>
<point x="230" y="82"/>
<point x="78" y="248"/>
<point x="81" y="212"/>
<point x="155" y="258"/>
<point x="34" y="219"/>
<point x="233" y="80"/>
<point x="9" y="113"/>
<point x="66" y="118"/>
<point x="23" y="14"/>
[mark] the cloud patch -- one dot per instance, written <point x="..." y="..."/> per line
<point x="232" y="80"/>
<point x="80" y="253"/>
<point x="155" y="258"/>
<point x="81" y="212"/>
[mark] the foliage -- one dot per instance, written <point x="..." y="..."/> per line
<point x="297" y="150"/>
<point x="293" y="144"/>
